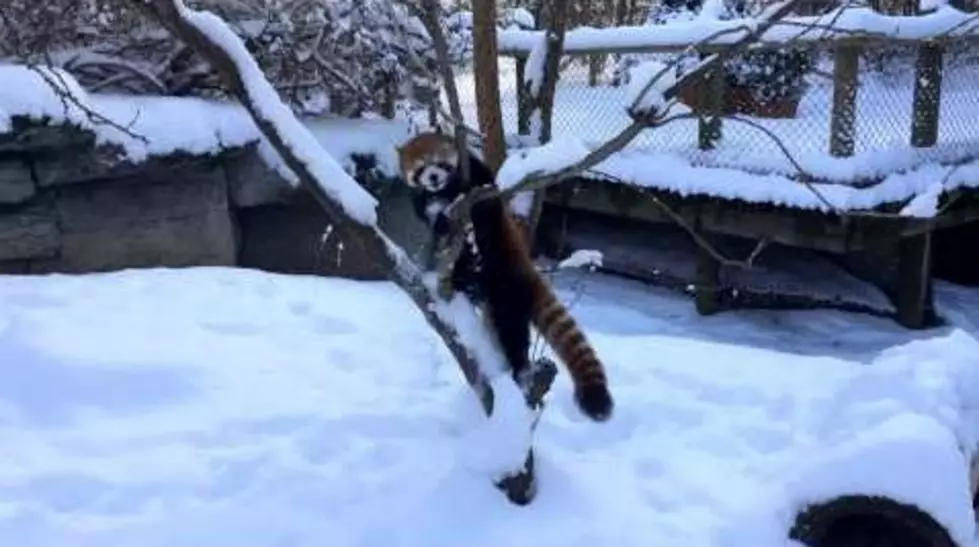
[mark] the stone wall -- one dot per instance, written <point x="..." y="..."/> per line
<point x="67" y="205"/>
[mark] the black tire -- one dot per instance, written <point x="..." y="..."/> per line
<point x="867" y="521"/>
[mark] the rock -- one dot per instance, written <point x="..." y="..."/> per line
<point x="14" y="267"/>
<point x="289" y="238"/>
<point x="29" y="233"/>
<point x="16" y="181"/>
<point x="396" y="217"/>
<point x="70" y="166"/>
<point x="251" y="182"/>
<point x="162" y="218"/>
<point x="34" y="136"/>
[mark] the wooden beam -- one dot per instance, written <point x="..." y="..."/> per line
<point x="798" y="228"/>
<point x="915" y="309"/>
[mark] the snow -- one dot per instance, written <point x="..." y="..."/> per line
<point x="747" y="165"/>
<point x="173" y="407"/>
<point x="520" y="17"/>
<point x="353" y="199"/>
<point x="676" y="175"/>
<point x="183" y="124"/>
<point x="582" y="258"/>
<point x="536" y="63"/>
<point x="649" y="80"/>
<point x="843" y="22"/>
<point x="558" y="154"/>
<point x="204" y="126"/>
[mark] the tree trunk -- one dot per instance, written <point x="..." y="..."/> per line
<point x="487" y="81"/>
<point x="544" y="100"/>
<point x="232" y="64"/>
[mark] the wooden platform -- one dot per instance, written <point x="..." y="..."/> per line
<point x="894" y="254"/>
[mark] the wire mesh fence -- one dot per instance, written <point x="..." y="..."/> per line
<point x="591" y="101"/>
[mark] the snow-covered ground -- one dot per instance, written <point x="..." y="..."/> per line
<point x="211" y="406"/>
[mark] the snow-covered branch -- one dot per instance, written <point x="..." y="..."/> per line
<point x="350" y="207"/>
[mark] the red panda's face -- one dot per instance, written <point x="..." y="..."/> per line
<point x="428" y="162"/>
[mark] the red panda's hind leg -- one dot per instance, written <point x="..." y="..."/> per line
<point x="510" y="319"/>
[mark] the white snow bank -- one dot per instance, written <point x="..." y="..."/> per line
<point x="187" y="407"/>
<point x="182" y="124"/>
<point x="944" y="21"/>
<point x="168" y="125"/>
<point x="560" y="153"/>
<point x="675" y="174"/>
<point x="903" y="429"/>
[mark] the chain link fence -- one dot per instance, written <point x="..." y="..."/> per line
<point x="592" y="96"/>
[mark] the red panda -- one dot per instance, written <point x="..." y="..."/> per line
<point x="497" y="271"/>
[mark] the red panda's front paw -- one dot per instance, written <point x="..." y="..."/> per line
<point x="595" y="401"/>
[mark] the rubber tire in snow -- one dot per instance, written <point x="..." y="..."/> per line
<point x="867" y="521"/>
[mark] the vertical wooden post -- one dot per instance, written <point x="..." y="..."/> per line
<point x="708" y="277"/>
<point x="711" y="110"/>
<point x="915" y="309"/>
<point x="388" y="106"/>
<point x="487" y="82"/>
<point x="523" y="99"/>
<point x="543" y="102"/>
<point x="842" y="132"/>
<point x="433" y="112"/>
<point x="927" y="95"/>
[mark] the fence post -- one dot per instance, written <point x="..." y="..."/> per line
<point x="927" y="95"/>
<point x="711" y="109"/>
<point x="915" y="307"/>
<point x="846" y="73"/>
<point x="708" y="274"/>
<point x="523" y="103"/>
<point x="390" y="99"/>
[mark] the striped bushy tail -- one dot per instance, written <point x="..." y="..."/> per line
<point x="562" y="333"/>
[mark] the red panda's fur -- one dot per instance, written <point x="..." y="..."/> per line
<point x="513" y="291"/>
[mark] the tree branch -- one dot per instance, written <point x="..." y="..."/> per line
<point x="245" y="80"/>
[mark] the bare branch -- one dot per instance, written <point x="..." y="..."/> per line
<point x="806" y="177"/>
<point x="56" y="81"/>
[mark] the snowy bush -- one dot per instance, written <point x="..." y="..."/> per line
<point x="346" y="57"/>
<point x="770" y="74"/>
<point x="458" y="27"/>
